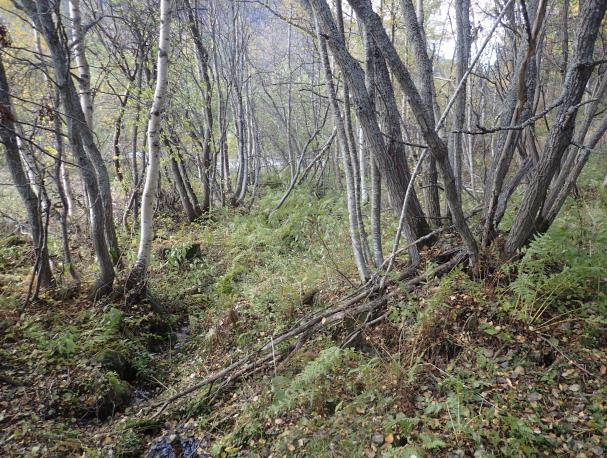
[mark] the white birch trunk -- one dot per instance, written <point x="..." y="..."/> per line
<point x="136" y="280"/>
<point x="362" y="163"/>
<point x="82" y="65"/>
<point x="86" y="102"/>
<point x="64" y="175"/>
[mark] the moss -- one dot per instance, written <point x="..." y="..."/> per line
<point x="129" y="445"/>
<point x="118" y="362"/>
<point x="115" y="395"/>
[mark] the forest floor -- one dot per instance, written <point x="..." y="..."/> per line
<point x="514" y="364"/>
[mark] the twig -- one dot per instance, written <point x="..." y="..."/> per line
<point x="580" y="367"/>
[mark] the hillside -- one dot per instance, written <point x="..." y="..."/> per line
<point x="510" y="364"/>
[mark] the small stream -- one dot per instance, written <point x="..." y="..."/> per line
<point x="181" y="442"/>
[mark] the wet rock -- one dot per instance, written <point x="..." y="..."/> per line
<point x="179" y="445"/>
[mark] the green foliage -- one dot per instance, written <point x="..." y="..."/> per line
<point x="226" y="285"/>
<point x="307" y="386"/>
<point x="560" y="271"/>
<point x="112" y="320"/>
<point x="129" y="445"/>
<point x="63" y="345"/>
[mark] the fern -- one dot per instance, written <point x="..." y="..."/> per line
<point x="308" y="384"/>
<point x="560" y="270"/>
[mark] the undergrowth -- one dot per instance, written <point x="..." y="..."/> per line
<point x="510" y="365"/>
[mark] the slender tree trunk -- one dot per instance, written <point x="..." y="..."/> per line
<point x="575" y="160"/>
<point x="392" y="167"/>
<point x="28" y="196"/>
<point x="519" y="108"/>
<point x="82" y="65"/>
<point x="179" y="184"/>
<point x="564" y="38"/>
<point x="462" y="19"/>
<point x="342" y="138"/>
<point x="137" y="278"/>
<point x="67" y="256"/>
<point x="65" y="184"/>
<point x="290" y="101"/>
<point x="117" y="131"/>
<point x="414" y="222"/>
<point x="363" y="164"/>
<point x="202" y="57"/>
<point x="422" y="114"/>
<point x="183" y="169"/>
<point x="80" y="136"/>
<point x="378" y="255"/>
<point x="526" y="222"/>
<point x="414" y="22"/>
<point x="86" y="101"/>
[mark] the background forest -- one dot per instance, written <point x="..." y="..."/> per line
<point x="303" y="227"/>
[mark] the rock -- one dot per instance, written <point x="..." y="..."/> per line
<point x="115" y="396"/>
<point x="377" y="438"/>
<point x="575" y="387"/>
<point x="176" y="445"/>
<point x="534" y="397"/>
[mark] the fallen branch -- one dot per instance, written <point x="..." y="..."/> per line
<point x="266" y="355"/>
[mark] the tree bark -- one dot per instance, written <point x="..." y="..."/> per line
<point x="423" y="116"/>
<point x="202" y="57"/>
<point x="414" y="28"/>
<point x="519" y="107"/>
<point x="342" y="138"/>
<point x="187" y="204"/>
<point x="80" y="136"/>
<point x="136" y="281"/>
<point x="392" y="167"/>
<point x="526" y="222"/>
<point x="82" y="65"/>
<point x="28" y="196"/>
<point x="376" y="243"/>
<point x="86" y="102"/>
<point x="462" y="19"/>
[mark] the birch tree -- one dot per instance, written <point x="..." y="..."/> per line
<point x="86" y="101"/>
<point x="46" y="18"/>
<point x="136" y="280"/>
